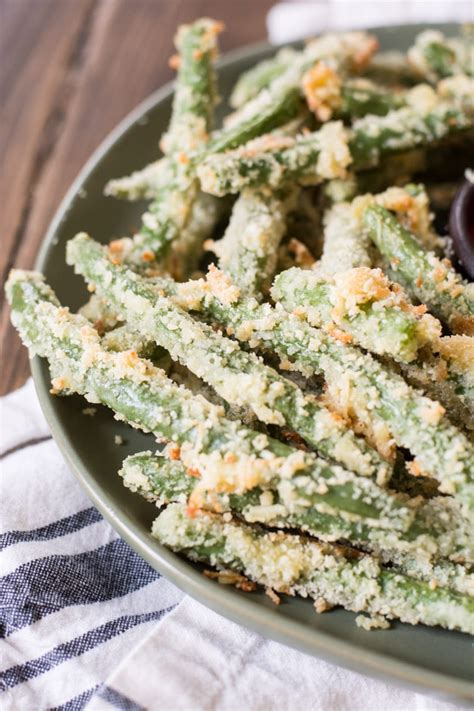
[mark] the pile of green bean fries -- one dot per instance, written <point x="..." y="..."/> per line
<point x="286" y="323"/>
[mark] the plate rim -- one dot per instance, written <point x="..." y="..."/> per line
<point x="247" y="613"/>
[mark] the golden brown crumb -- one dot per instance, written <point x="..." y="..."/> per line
<point x="192" y="509"/>
<point x="272" y="595"/>
<point x="174" y="62"/>
<point x="459" y="350"/>
<point x="217" y="27"/>
<point x="362" y="57"/>
<point x="182" y="158"/>
<point x="322" y="89"/>
<point x="99" y="326"/>
<point x="229" y="577"/>
<point x="300" y="252"/>
<point x="433" y="413"/>
<point x="415" y="469"/>
<point x="439" y="274"/>
<point x="221" y="286"/>
<point x="173" y="452"/>
<point x="116" y="246"/>
<point x="460" y="324"/>
<point x="321" y="605"/>
<point x="58" y="385"/>
<point x="336" y="333"/>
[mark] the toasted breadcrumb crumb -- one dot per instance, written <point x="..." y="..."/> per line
<point x="272" y="595"/>
<point x="230" y="577"/>
<point x="322" y="89"/>
<point x="374" y="622"/>
<point x="321" y="605"/>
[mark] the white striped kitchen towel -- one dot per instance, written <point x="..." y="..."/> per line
<point x="87" y="624"/>
<point x="74" y="597"/>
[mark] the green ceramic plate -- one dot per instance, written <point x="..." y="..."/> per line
<point x="428" y="659"/>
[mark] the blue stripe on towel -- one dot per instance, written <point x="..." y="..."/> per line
<point x="120" y="701"/>
<point x="45" y="585"/>
<point x="62" y="527"/>
<point x="75" y="647"/>
<point x="24" y="445"/>
<point x="78" y="702"/>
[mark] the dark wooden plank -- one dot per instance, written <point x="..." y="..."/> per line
<point x="120" y="54"/>
<point x="40" y="45"/>
<point x="32" y="84"/>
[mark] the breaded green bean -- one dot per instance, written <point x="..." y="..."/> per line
<point x="142" y="184"/>
<point x="196" y="88"/>
<point x="248" y="251"/>
<point x="282" y="100"/>
<point x="327" y="153"/>
<point x="459" y="90"/>
<point x="407" y="128"/>
<point x="297" y="565"/>
<point x="179" y="218"/>
<point x="258" y="77"/>
<point x="395" y="169"/>
<point x="330" y="95"/>
<point x="192" y="114"/>
<point x="123" y="338"/>
<point x="98" y="311"/>
<point x="432" y="281"/>
<point x="437" y="377"/>
<point x="226" y="455"/>
<point x="390" y="68"/>
<point x="359" y="386"/>
<point x="458" y="353"/>
<point x="238" y="376"/>
<point x="173" y="231"/>
<point x="186" y="249"/>
<point x="411" y="205"/>
<point x="363" y="304"/>
<point x="434" y="56"/>
<point x="362" y="98"/>
<point x="436" y="534"/>
<point x="345" y="246"/>
<point x="273" y="161"/>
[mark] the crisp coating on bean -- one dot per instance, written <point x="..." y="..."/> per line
<point x="296" y="565"/>
<point x="238" y="377"/>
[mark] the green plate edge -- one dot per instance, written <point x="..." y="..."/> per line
<point x="250" y="610"/>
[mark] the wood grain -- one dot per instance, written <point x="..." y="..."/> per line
<point x="70" y="70"/>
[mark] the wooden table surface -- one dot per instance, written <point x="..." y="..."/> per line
<point x="69" y="71"/>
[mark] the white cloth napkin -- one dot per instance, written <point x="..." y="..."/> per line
<point x="296" y="19"/>
<point x="74" y="597"/>
<point x="79" y="612"/>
